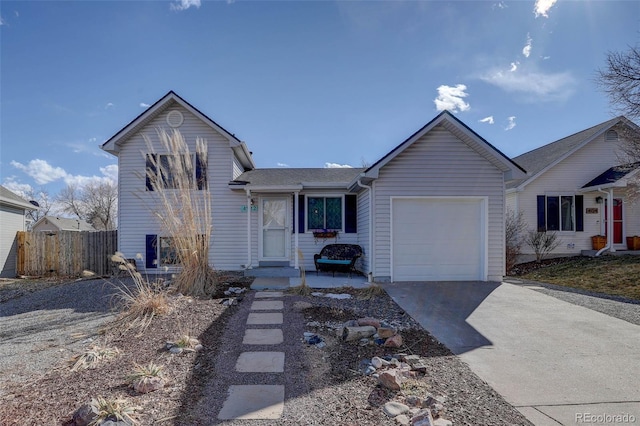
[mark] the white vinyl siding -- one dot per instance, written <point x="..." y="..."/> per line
<point x="12" y="220"/>
<point x="566" y="178"/>
<point x="363" y="229"/>
<point x="135" y="217"/>
<point x="237" y="168"/>
<point x="440" y="165"/>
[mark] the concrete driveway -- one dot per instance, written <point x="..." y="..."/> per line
<point x="556" y="362"/>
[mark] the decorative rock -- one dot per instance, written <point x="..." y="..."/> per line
<point x="403" y="420"/>
<point x="198" y="347"/>
<point x="313" y="324"/>
<point x="175" y="350"/>
<point x="411" y="359"/>
<point x="364" y="341"/>
<point x="423" y="418"/>
<point x="369" y="321"/>
<point x="412" y="400"/>
<point x="393" y="409"/>
<point x="390" y="380"/>
<point x="350" y="334"/>
<point x="393" y="341"/>
<point x="148" y="384"/>
<point x="420" y="367"/>
<point x="351" y="323"/>
<point x="300" y="306"/>
<point x="442" y="422"/>
<point x="84" y="415"/>
<point x="386" y="332"/>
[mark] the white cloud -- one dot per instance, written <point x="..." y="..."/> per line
<point x="42" y="172"/>
<point x="1" y="21"/>
<point x="542" y="7"/>
<point x="488" y="119"/>
<point x="109" y="105"/>
<point x="514" y="66"/>
<point x="537" y="85"/>
<point x="185" y="4"/>
<point x="282" y="164"/>
<point x="499" y="5"/>
<point x="526" y="50"/>
<point x="336" y="166"/>
<point x="144" y="105"/>
<point x="511" y="123"/>
<point x="22" y="189"/>
<point x="451" y="98"/>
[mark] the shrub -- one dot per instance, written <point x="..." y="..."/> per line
<point x="92" y="356"/>
<point x="142" y="302"/>
<point x="542" y="242"/>
<point x="117" y="409"/>
<point x="515" y="225"/>
<point x="184" y="211"/>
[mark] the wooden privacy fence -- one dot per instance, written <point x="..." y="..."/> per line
<point x="65" y="253"/>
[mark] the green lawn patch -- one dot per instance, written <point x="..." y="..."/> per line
<point x="614" y="275"/>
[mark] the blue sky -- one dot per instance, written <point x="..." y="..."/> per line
<point x="304" y="84"/>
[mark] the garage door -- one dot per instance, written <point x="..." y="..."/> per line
<point x="438" y="239"/>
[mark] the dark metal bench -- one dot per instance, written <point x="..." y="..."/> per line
<point x="338" y="257"/>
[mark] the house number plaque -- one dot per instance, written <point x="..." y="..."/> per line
<point x="592" y="210"/>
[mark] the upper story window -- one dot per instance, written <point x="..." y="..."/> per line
<point x="176" y="171"/>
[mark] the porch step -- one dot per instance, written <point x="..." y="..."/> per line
<point x="272" y="271"/>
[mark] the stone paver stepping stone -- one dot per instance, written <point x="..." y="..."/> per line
<point x="260" y="362"/>
<point x="253" y="402"/>
<point x="264" y="318"/>
<point x="267" y="305"/>
<point x="263" y="336"/>
<point x="265" y="294"/>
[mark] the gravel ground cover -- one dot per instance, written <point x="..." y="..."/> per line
<point x="322" y="385"/>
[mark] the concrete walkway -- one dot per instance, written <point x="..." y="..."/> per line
<point x="264" y="401"/>
<point x="558" y="363"/>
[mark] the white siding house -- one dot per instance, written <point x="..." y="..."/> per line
<point x="570" y="185"/>
<point x="267" y="217"/>
<point x="12" y="220"/>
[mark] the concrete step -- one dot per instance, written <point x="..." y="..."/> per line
<point x="253" y="402"/>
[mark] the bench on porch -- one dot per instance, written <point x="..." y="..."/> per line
<point x="338" y="257"/>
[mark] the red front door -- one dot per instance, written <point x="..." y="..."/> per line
<point x="617" y="220"/>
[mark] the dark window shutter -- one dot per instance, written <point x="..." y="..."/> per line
<point x="150" y="171"/>
<point x="152" y="251"/>
<point x="579" y="213"/>
<point x="553" y="213"/>
<point x="351" y="213"/>
<point x="301" y="210"/>
<point x="542" y="222"/>
<point x="201" y="170"/>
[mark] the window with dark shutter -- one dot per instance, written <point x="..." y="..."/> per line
<point x="151" y="251"/>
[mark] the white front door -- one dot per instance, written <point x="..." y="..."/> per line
<point x="274" y="225"/>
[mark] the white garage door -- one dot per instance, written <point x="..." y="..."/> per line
<point x="438" y="239"/>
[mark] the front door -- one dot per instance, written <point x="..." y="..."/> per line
<point x="274" y="224"/>
<point x="617" y="220"/>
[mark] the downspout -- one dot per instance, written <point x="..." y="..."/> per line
<point x="609" y="229"/>
<point x="249" y="260"/>
<point x="296" y="227"/>
<point x="371" y="257"/>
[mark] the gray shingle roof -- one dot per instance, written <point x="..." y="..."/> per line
<point x="540" y="158"/>
<point x="68" y="224"/>
<point x="8" y="197"/>
<point x="612" y="175"/>
<point x="296" y="176"/>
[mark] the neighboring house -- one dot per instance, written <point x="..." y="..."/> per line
<point x="431" y="209"/>
<point x="54" y="224"/>
<point x="575" y="184"/>
<point x="12" y="219"/>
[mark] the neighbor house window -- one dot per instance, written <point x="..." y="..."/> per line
<point x="324" y="213"/>
<point x="560" y="213"/>
<point x="174" y="171"/>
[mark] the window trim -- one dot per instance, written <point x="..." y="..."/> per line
<point x="325" y="196"/>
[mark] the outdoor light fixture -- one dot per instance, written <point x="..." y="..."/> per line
<point x="598" y="200"/>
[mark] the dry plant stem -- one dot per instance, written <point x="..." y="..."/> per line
<point x="183" y="209"/>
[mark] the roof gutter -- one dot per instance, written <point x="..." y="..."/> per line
<point x="370" y="249"/>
